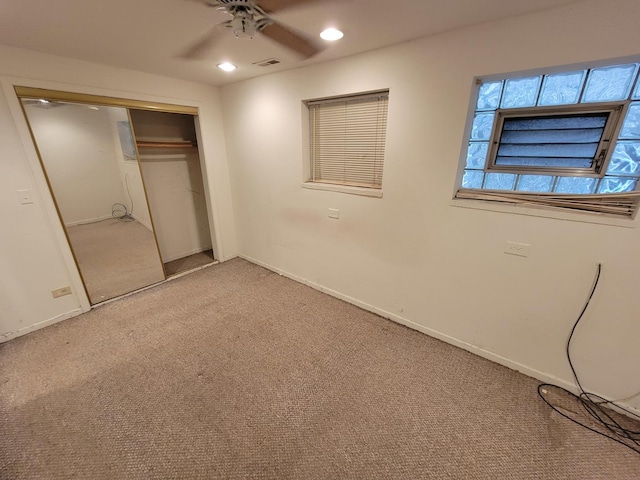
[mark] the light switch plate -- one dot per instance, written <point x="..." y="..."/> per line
<point x="334" y="213"/>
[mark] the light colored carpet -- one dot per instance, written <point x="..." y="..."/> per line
<point x="188" y="263"/>
<point x="234" y="372"/>
<point x="115" y="257"/>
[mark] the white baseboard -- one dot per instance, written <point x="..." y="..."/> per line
<point x="144" y="224"/>
<point x="88" y="220"/>
<point x="531" y="372"/>
<point x="45" y="323"/>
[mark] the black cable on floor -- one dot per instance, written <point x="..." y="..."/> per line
<point x="593" y="404"/>
<point x="120" y="212"/>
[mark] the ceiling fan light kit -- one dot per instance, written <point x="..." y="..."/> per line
<point x="243" y="25"/>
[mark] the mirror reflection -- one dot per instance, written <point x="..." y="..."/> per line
<point x="90" y="161"/>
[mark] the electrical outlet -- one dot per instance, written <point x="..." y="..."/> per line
<point x="334" y="213"/>
<point x="519" y="249"/>
<point x="61" y="292"/>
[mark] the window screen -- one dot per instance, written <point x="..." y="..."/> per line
<point x="558" y="141"/>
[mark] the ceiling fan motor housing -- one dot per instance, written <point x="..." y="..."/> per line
<point x="231" y="3"/>
<point x="233" y="7"/>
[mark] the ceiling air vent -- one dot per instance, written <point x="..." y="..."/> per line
<point x="268" y="62"/>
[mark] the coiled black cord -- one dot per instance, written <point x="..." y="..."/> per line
<point x="119" y="210"/>
<point x="593" y="404"/>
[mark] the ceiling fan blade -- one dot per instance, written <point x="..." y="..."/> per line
<point x="289" y="38"/>
<point x="270" y="6"/>
<point x="201" y="47"/>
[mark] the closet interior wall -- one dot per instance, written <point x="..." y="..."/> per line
<point x="170" y="164"/>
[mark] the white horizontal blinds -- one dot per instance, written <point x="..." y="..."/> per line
<point x="623" y="204"/>
<point x="347" y="137"/>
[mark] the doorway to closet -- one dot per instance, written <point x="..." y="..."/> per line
<point x="170" y="163"/>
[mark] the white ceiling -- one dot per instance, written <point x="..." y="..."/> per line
<point x="148" y="35"/>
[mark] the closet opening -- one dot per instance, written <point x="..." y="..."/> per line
<point x="170" y="162"/>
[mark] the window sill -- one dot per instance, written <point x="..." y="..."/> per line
<point x="365" y="192"/>
<point x="545" y="212"/>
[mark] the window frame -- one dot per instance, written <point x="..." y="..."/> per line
<point x="616" y="110"/>
<point x="610" y="197"/>
<point x="358" y="188"/>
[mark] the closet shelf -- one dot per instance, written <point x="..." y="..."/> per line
<point x="169" y="156"/>
<point x="172" y="144"/>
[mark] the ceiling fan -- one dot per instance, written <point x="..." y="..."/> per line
<point x="42" y="103"/>
<point x="251" y="18"/>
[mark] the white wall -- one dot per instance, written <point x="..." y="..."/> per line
<point x="30" y="262"/>
<point x="77" y="148"/>
<point x="174" y="186"/>
<point x="33" y="258"/>
<point x="412" y="255"/>
<point x="130" y="175"/>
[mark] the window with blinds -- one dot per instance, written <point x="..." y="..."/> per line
<point x="347" y="139"/>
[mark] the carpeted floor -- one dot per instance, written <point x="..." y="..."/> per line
<point x="234" y="372"/>
<point x="115" y="257"/>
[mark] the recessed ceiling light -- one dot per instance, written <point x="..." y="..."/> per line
<point x="332" y="34"/>
<point x="227" y="67"/>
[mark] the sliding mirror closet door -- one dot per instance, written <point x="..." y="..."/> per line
<point x="90" y="161"/>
